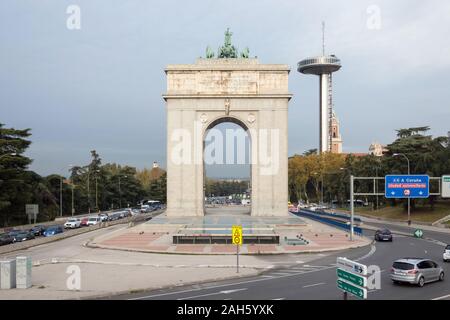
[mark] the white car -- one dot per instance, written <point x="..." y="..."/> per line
<point x="72" y="223"/>
<point x="446" y="254"/>
<point x="93" y="221"/>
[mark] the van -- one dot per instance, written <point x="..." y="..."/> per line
<point x="93" y="221"/>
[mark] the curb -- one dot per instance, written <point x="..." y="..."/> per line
<point x="98" y="246"/>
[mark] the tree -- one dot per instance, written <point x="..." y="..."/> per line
<point x="13" y="175"/>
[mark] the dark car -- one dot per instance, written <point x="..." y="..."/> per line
<point x="5" y="239"/>
<point x="23" y="236"/>
<point x="53" y="230"/>
<point x="37" y="230"/>
<point x="14" y="232"/>
<point x="383" y="235"/>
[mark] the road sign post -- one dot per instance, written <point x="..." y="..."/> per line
<point x="351" y="278"/>
<point x="418" y="233"/>
<point x="407" y="187"/>
<point x="446" y="186"/>
<point x="236" y="238"/>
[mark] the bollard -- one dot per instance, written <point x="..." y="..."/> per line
<point x="23" y="272"/>
<point x="8" y="274"/>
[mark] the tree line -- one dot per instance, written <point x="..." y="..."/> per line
<point x="91" y="187"/>
<point x="325" y="177"/>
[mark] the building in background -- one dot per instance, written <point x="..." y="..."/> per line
<point x="336" y="138"/>
<point x="377" y="149"/>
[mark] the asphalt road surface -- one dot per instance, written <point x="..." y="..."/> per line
<point x="317" y="279"/>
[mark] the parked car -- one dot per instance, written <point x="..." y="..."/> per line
<point x="84" y="221"/>
<point x="37" y="230"/>
<point x="53" y="230"/>
<point x="103" y="217"/>
<point x="23" y="236"/>
<point x="93" y="221"/>
<point x="446" y="254"/>
<point x="384" y="235"/>
<point x="416" y="271"/>
<point x="72" y="223"/>
<point x="5" y="239"/>
<point x="14" y="232"/>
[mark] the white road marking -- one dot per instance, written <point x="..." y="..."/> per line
<point x="290" y="270"/>
<point x="442" y="298"/>
<point x="314" y="285"/>
<point x="260" y="279"/>
<point x="280" y="274"/>
<point x="266" y="276"/>
<point x="373" y="248"/>
<point x="212" y="294"/>
<point x="279" y="299"/>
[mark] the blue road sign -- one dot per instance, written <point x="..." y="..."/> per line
<point x="407" y="186"/>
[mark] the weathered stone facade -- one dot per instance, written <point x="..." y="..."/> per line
<point x="211" y="91"/>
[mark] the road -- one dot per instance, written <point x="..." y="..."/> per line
<point x="317" y="278"/>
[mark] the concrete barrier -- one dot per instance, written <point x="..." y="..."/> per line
<point x="8" y="274"/>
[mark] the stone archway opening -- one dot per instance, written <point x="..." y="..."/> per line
<point x="227" y="177"/>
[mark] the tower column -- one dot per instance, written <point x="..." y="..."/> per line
<point x="324" y="132"/>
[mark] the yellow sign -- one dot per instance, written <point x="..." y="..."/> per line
<point x="236" y="235"/>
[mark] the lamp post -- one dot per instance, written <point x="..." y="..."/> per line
<point x="409" y="172"/>
<point x="120" y="193"/>
<point x="73" y="186"/>
<point x="88" y="190"/>
<point x="96" y="189"/>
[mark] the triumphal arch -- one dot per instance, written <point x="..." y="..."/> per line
<point x="227" y="87"/>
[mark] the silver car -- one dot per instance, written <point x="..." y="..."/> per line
<point x="416" y="271"/>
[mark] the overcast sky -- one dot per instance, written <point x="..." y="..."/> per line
<point x="100" y="87"/>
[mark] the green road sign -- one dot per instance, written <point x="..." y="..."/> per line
<point x="353" y="290"/>
<point x="418" y="233"/>
<point x="352" y="278"/>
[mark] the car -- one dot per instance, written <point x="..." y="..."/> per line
<point x="103" y="217"/>
<point x="72" y="223"/>
<point x="384" y="235"/>
<point x="14" y="232"/>
<point x="37" y="230"/>
<point x="5" y="239"/>
<point x="446" y="254"/>
<point x="23" y="236"/>
<point x="416" y="271"/>
<point x="83" y="222"/>
<point x="93" y="221"/>
<point x="53" y="230"/>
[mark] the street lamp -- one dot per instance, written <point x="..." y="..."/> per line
<point x="120" y="193"/>
<point x="409" y="172"/>
<point x="73" y="186"/>
<point x="96" y="189"/>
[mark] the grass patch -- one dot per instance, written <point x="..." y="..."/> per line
<point x="420" y="213"/>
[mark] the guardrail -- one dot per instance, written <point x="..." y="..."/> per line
<point x="335" y="215"/>
<point x="341" y="225"/>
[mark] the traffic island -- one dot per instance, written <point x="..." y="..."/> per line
<point x="267" y="236"/>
